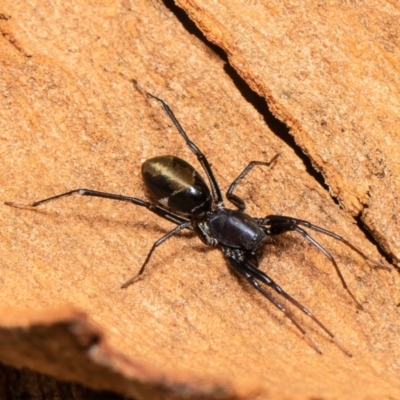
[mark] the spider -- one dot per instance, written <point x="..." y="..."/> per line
<point x="184" y="198"/>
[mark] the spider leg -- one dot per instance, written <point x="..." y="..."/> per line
<point x="278" y="220"/>
<point x="316" y="228"/>
<point x="160" y="211"/>
<point x="155" y="245"/>
<point x="239" y="271"/>
<point x="233" y="198"/>
<point x="183" y="223"/>
<point x="333" y="261"/>
<point x="216" y="191"/>
<point x="244" y="268"/>
<point x="204" y="234"/>
<point x="279" y="224"/>
<point x="263" y="277"/>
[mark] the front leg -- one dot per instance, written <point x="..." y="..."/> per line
<point x="278" y="224"/>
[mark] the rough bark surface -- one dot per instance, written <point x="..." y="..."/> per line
<point x="73" y="114"/>
<point x="330" y="72"/>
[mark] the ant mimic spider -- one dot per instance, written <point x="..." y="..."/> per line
<point x="184" y="198"/>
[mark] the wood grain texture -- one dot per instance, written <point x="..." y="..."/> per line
<point x="73" y="115"/>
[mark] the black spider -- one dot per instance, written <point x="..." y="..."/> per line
<point x="184" y="198"/>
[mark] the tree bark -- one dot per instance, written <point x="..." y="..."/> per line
<point x="74" y="114"/>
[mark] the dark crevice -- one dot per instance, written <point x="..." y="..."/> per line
<point x="363" y="228"/>
<point x="191" y="27"/>
<point x="274" y="124"/>
<point x="259" y="103"/>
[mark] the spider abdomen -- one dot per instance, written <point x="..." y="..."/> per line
<point x="234" y="228"/>
<point x="175" y="184"/>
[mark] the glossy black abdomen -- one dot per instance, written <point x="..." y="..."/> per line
<point x="177" y="185"/>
